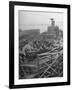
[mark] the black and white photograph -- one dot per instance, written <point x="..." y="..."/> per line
<point x="39" y="45"/>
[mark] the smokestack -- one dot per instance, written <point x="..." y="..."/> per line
<point x="52" y="22"/>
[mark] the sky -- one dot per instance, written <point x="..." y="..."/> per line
<point x="39" y="20"/>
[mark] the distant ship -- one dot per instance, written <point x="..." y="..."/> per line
<point x="52" y="31"/>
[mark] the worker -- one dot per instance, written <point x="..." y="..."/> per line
<point x="27" y="47"/>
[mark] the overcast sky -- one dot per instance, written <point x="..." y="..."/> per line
<point x="30" y="19"/>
